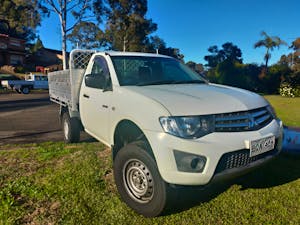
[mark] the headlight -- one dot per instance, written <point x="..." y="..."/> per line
<point x="189" y="127"/>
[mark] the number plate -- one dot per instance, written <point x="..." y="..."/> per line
<point x="262" y="145"/>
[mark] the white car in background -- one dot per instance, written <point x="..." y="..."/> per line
<point x="32" y="81"/>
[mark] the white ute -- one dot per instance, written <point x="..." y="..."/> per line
<point x="166" y="125"/>
<point x="32" y="81"/>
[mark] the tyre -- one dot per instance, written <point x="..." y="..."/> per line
<point x="71" y="129"/>
<point x="25" y="90"/>
<point x="138" y="181"/>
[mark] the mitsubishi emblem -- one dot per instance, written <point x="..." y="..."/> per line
<point x="252" y="122"/>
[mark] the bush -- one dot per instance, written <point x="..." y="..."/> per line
<point x="7" y="69"/>
<point x="20" y="69"/>
<point x="287" y="90"/>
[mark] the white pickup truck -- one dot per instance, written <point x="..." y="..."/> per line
<point x="32" y="81"/>
<point x="167" y="127"/>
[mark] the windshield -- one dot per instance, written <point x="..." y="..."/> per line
<point x="142" y="70"/>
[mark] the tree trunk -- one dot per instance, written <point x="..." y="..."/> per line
<point x="267" y="60"/>
<point x="75" y="8"/>
<point x="64" y="34"/>
<point x="64" y="52"/>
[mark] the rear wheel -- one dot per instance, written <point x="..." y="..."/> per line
<point x="139" y="182"/>
<point x="71" y="129"/>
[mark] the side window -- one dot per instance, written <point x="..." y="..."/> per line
<point x="99" y="77"/>
<point x="44" y="78"/>
<point x="100" y="67"/>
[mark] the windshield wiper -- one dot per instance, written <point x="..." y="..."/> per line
<point x="189" y="82"/>
<point x="157" y="82"/>
<point x="161" y="82"/>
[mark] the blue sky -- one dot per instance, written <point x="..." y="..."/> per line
<point x="194" y="25"/>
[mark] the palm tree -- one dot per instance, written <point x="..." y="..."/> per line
<point x="295" y="62"/>
<point x="269" y="43"/>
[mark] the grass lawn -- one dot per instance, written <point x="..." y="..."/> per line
<point x="287" y="109"/>
<point x="56" y="183"/>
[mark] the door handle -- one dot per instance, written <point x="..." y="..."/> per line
<point x="86" y="96"/>
<point x="105" y="106"/>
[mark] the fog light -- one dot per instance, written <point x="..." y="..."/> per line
<point x="187" y="162"/>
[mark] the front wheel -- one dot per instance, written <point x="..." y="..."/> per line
<point x="25" y="90"/>
<point x="139" y="182"/>
<point x="71" y="129"/>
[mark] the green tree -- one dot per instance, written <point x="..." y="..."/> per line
<point x="214" y="58"/>
<point x="21" y="16"/>
<point x="173" y="52"/>
<point x="197" y="67"/>
<point x="156" y="44"/>
<point x="276" y="75"/>
<point x="292" y="59"/>
<point x="87" y="35"/>
<point x="222" y="63"/>
<point x="229" y="52"/>
<point x="251" y="73"/>
<point x="295" y="56"/>
<point x="229" y="73"/>
<point x="127" y="28"/>
<point x="296" y="44"/>
<point x="292" y="62"/>
<point x="37" y="46"/>
<point x="269" y="42"/>
<point x="79" y="10"/>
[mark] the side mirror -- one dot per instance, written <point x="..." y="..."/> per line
<point x="98" y="81"/>
<point x="93" y="81"/>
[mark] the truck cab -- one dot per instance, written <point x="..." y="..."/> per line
<point x="40" y="81"/>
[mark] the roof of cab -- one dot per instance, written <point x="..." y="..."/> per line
<point x="117" y="53"/>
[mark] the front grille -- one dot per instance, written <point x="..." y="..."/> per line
<point x="241" y="158"/>
<point x="243" y="121"/>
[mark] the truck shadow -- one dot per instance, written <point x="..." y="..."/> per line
<point x="284" y="169"/>
<point x="23" y="104"/>
<point x="86" y="138"/>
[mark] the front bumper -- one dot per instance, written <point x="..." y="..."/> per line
<point x="227" y="153"/>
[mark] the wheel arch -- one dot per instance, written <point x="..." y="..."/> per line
<point x="30" y="86"/>
<point x="66" y="109"/>
<point x="125" y="132"/>
<point x="27" y="88"/>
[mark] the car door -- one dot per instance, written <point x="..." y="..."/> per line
<point x="95" y="98"/>
<point x="40" y="82"/>
<point x="44" y="82"/>
<point x="36" y="81"/>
